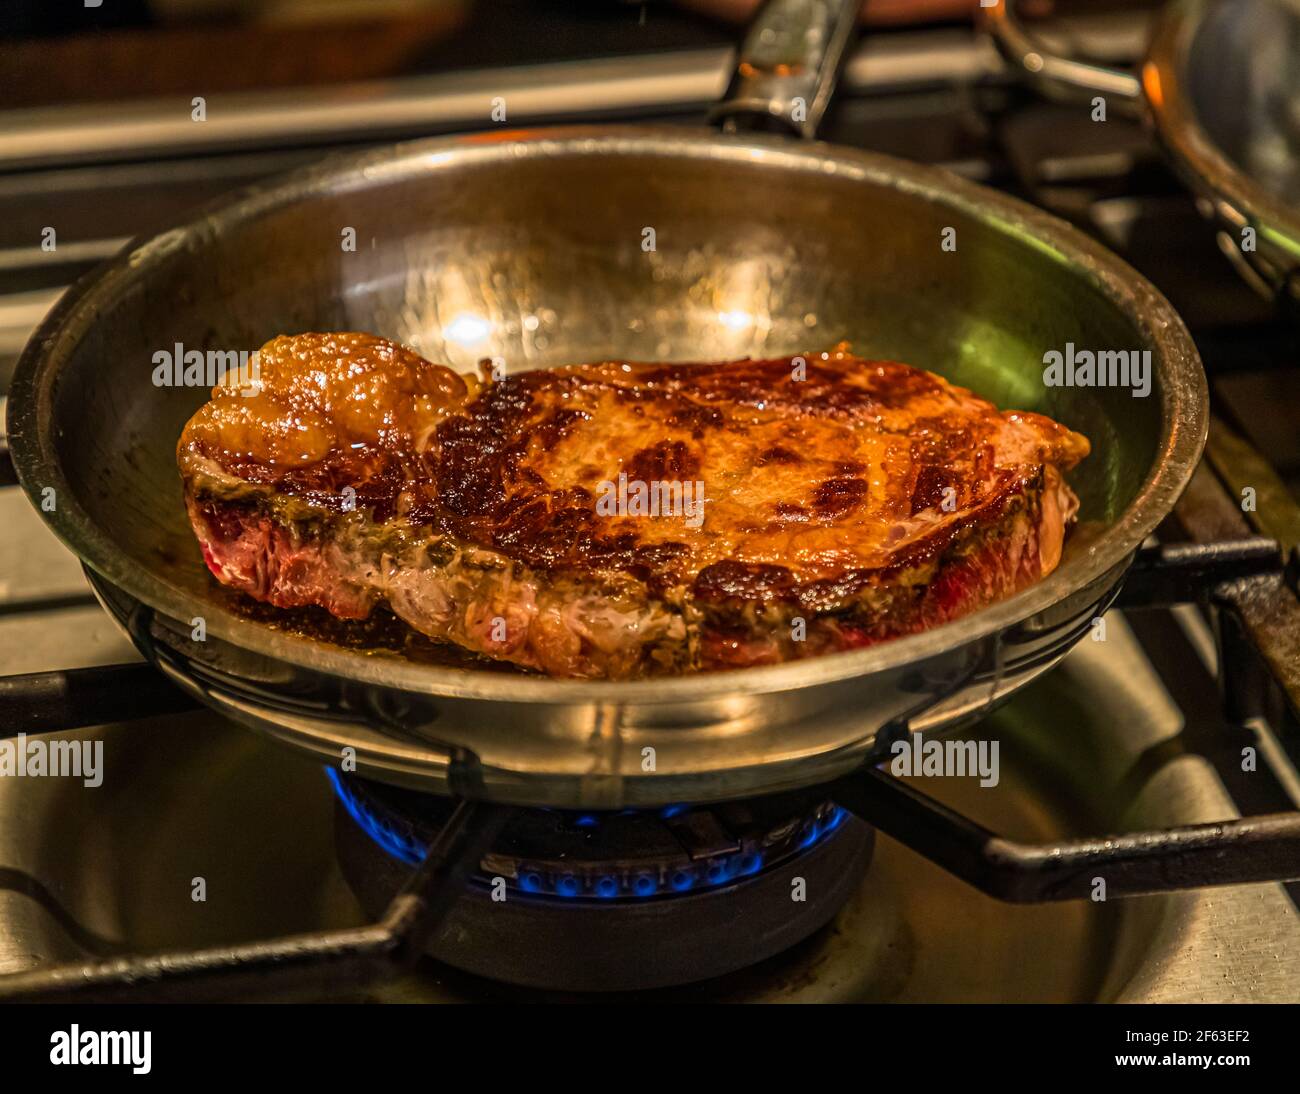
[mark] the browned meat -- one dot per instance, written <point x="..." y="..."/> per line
<point x="619" y="520"/>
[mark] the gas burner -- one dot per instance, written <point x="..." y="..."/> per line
<point x="600" y="901"/>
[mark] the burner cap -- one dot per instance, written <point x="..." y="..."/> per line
<point x="615" y="900"/>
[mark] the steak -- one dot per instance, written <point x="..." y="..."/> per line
<point x="620" y="520"/>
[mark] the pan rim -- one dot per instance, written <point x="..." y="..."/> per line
<point x="1184" y="410"/>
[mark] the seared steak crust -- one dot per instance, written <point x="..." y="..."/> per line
<point x="845" y="502"/>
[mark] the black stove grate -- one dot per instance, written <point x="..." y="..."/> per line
<point x="1228" y="576"/>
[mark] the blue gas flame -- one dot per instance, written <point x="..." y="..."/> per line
<point x="711" y="874"/>
<point x="397" y="844"/>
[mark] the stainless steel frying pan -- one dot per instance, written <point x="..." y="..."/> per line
<point x="531" y="246"/>
<point x="1220" y="85"/>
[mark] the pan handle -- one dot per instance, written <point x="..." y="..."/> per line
<point x="1053" y="75"/>
<point x="787" y="66"/>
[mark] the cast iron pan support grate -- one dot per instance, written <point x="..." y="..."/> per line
<point x="308" y="964"/>
<point x="1252" y="849"/>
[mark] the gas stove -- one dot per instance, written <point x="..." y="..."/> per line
<point x="621" y="902"/>
<point x="207" y="862"/>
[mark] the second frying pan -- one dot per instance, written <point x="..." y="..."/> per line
<point x="1220" y="84"/>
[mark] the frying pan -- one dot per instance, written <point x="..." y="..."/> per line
<point x="531" y="246"/>
<point x="1220" y="85"/>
